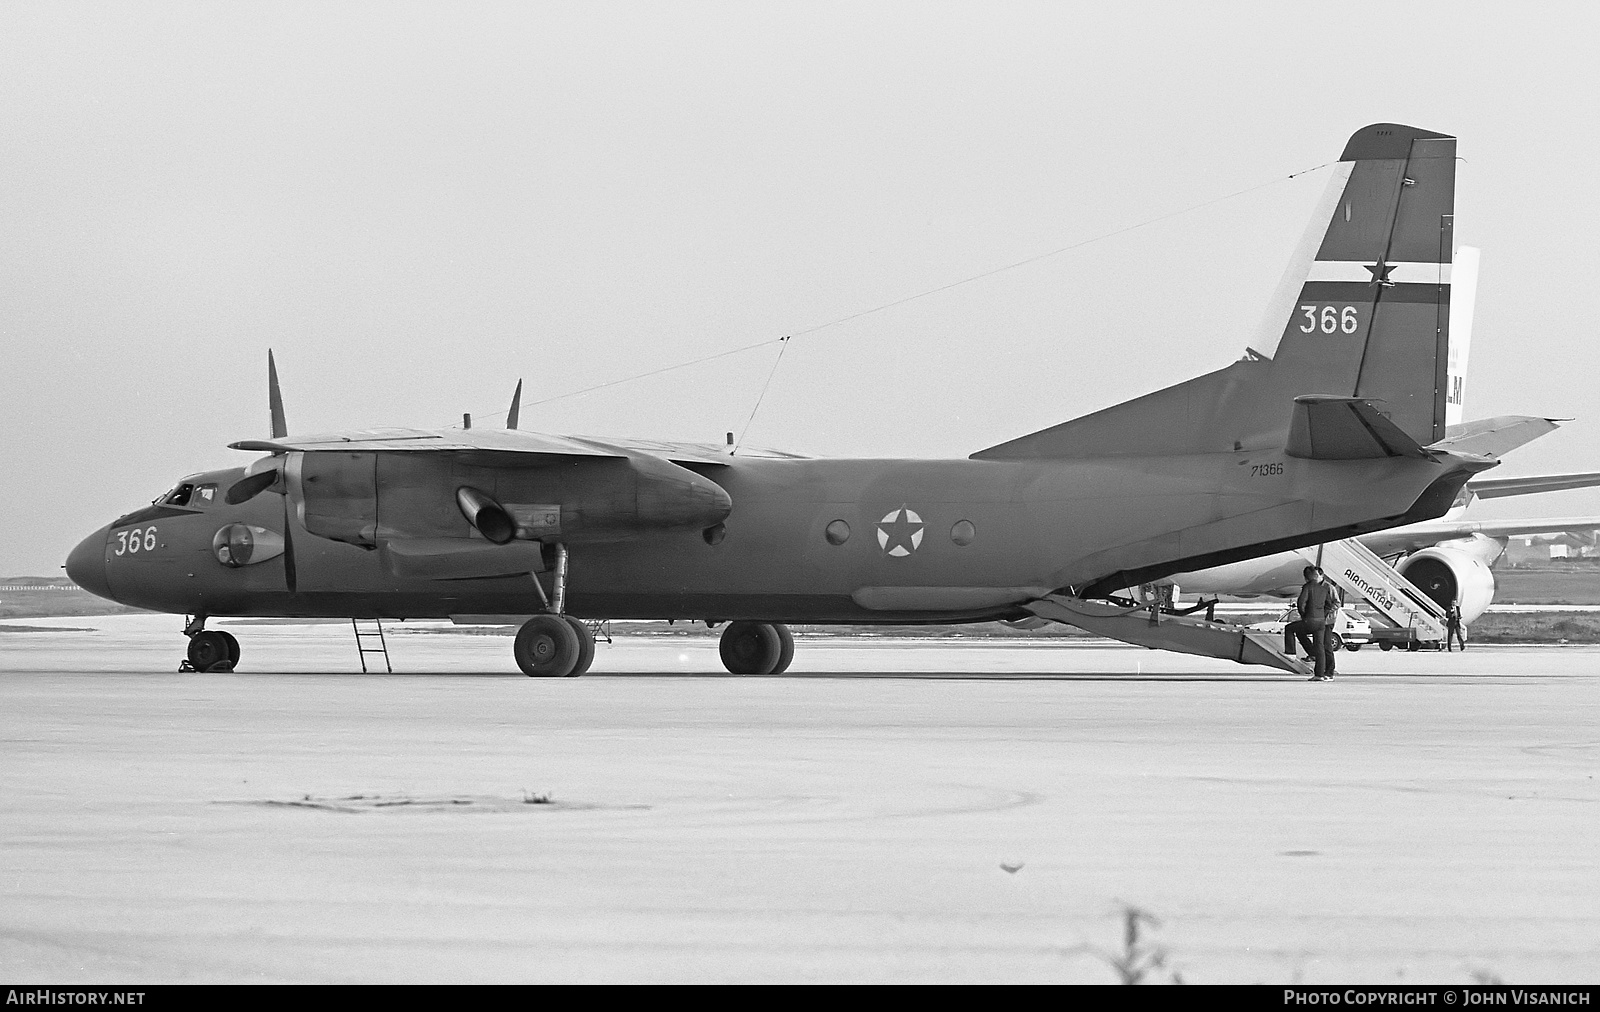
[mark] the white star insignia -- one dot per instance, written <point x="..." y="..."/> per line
<point x="900" y="532"/>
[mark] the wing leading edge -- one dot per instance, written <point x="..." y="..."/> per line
<point x="511" y="441"/>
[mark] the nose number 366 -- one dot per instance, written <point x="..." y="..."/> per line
<point x="131" y="542"/>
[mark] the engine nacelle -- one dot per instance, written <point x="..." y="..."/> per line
<point x="366" y="498"/>
<point x="1452" y="576"/>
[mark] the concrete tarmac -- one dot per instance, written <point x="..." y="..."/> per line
<point x="1423" y="818"/>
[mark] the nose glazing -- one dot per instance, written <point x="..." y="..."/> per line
<point x="86" y="566"/>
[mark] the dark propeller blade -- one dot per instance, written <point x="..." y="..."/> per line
<point x="516" y="407"/>
<point x="280" y="428"/>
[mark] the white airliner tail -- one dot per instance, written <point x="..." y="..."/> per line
<point x="1463" y="299"/>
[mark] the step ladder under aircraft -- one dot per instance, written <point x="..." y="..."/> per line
<point x="1357" y="569"/>
<point x="369" y="631"/>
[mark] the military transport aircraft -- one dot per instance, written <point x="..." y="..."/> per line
<point x="1331" y="425"/>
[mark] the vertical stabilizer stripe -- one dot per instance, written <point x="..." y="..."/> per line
<point x="1401" y="274"/>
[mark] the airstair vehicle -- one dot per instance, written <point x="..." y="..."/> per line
<point x="1411" y="615"/>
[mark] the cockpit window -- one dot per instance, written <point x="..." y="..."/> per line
<point x="190" y="495"/>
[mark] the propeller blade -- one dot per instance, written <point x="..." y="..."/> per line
<point x="516" y="407"/>
<point x="280" y="428"/>
<point x="290" y="578"/>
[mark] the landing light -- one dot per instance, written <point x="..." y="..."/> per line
<point x="242" y="544"/>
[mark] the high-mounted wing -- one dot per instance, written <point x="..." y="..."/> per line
<point x="699" y="453"/>
<point x="502" y="441"/>
<point x="410" y="492"/>
<point x="434" y="440"/>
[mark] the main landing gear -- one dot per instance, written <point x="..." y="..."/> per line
<point x="554" y="644"/>
<point x="756" y="648"/>
<point x="208" y="651"/>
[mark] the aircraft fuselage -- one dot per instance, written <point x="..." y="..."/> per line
<point x="851" y="540"/>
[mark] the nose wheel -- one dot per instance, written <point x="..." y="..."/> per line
<point x="209" y="650"/>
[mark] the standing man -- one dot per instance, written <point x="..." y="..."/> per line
<point x="1453" y="633"/>
<point x="1317" y="605"/>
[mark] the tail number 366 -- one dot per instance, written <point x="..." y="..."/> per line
<point x="136" y="540"/>
<point x="1329" y="319"/>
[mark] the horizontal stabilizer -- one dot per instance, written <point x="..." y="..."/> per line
<point x="1496" y="437"/>
<point x="1182" y="633"/>
<point x="459" y="558"/>
<point x="1495" y="488"/>
<point x="1345" y="428"/>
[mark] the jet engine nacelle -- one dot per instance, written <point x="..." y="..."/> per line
<point x="1452" y="576"/>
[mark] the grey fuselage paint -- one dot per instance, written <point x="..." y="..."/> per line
<point x="1038" y="526"/>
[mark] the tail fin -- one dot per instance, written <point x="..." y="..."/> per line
<point x="1363" y="312"/>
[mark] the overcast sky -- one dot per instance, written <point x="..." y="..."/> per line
<point x="417" y="204"/>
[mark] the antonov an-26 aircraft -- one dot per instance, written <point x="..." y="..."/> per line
<point x="1333" y="425"/>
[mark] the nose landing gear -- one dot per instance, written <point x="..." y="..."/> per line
<point x="208" y="650"/>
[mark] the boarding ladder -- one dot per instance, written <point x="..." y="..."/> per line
<point x="1359" y="570"/>
<point x="369" y="631"/>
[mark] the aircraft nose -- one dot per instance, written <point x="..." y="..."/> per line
<point x="86" y="566"/>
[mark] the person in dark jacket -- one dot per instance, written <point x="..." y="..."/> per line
<point x="1318" y="604"/>
<point x="1453" y="632"/>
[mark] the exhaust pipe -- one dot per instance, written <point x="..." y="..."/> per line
<point x="488" y="516"/>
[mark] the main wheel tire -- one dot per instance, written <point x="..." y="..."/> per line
<point x="233" y="647"/>
<point x="207" y="649"/>
<point x="750" y="648"/>
<point x="785" y="648"/>
<point x="547" y="647"/>
<point x="585" y="646"/>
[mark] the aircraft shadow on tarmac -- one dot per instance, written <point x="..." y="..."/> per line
<point x="800" y="676"/>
